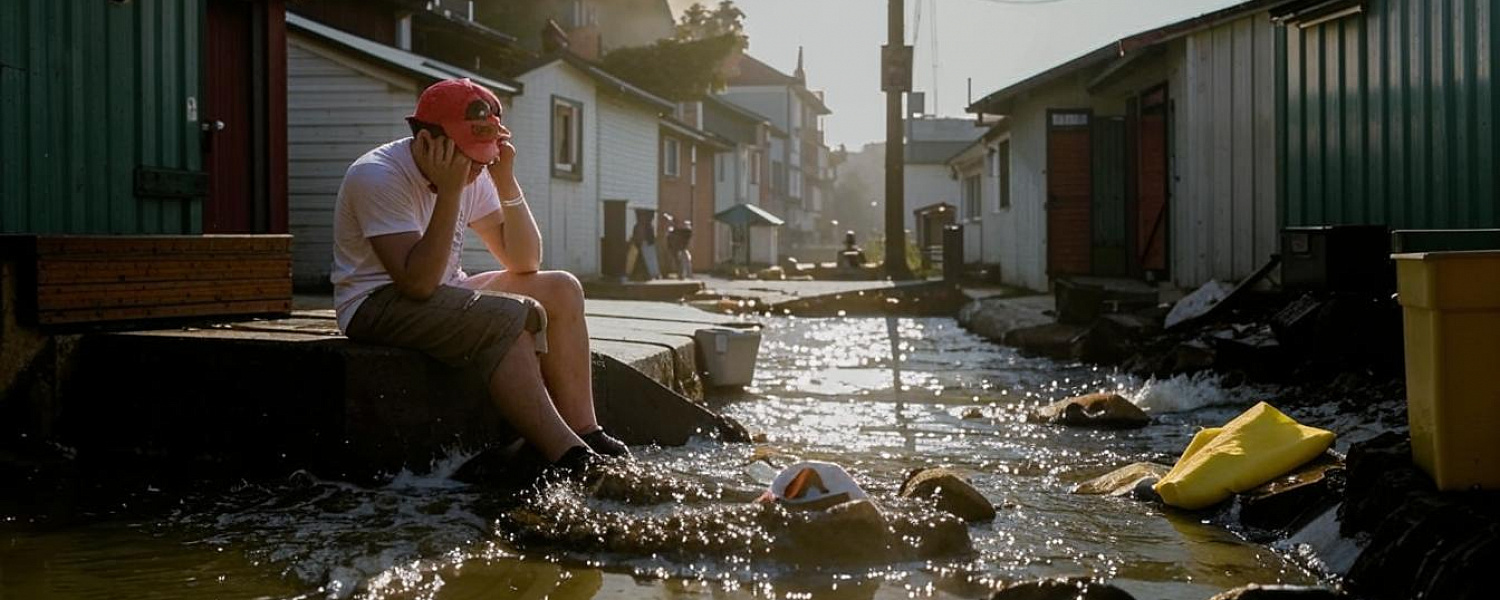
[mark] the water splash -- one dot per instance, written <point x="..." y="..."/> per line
<point x="1184" y="393"/>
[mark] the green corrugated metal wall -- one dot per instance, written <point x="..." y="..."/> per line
<point x="1390" y="117"/>
<point x="89" y="90"/>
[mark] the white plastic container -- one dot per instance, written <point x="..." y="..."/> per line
<point x="728" y="355"/>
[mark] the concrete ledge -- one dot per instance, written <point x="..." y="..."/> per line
<point x="291" y="393"/>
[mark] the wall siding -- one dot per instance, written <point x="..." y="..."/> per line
<point x="1224" y="203"/>
<point x="133" y="67"/>
<point x="566" y="211"/>
<point x="1390" y="117"/>
<point x="927" y="185"/>
<point x="337" y="109"/>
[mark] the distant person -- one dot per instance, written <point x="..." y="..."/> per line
<point x="398" y="235"/>
<point x="643" y="245"/>
<point x="852" y="256"/>
<point x="679" y="242"/>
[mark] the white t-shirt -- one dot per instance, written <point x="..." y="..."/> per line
<point x="384" y="193"/>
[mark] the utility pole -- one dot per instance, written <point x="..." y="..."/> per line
<point x="896" y="62"/>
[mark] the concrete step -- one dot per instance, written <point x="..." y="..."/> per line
<point x="291" y="393"/>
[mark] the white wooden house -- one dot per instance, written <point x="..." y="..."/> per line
<point x="584" y="139"/>
<point x="345" y="96"/>
<point x="1153" y="157"/>
<point x="983" y="174"/>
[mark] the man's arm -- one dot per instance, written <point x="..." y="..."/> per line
<point x="510" y="233"/>
<point x="418" y="262"/>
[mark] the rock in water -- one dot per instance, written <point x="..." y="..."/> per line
<point x="1123" y="480"/>
<point x="1278" y="592"/>
<point x="1106" y="410"/>
<point x="954" y="494"/>
<point x="1061" y="589"/>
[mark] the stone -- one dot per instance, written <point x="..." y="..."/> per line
<point x="1122" y="481"/>
<point x="973" y="413"/>
<point x="1077" y="588"/>
<point x="954" y="494"/>
<point x="1103" y="410"/>
<point x="1055" y="340"/>
<point x="1114" y="338"/>
<point x="1294" y="498"/>
<point x="851" y="532"/>
<point x="992" y="318"/>
<point x="1279" y="592"/>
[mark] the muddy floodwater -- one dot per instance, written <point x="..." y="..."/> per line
<point x="677" y="523"/>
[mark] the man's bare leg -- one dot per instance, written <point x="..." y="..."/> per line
<point x="566" y="367"/>
<point x="518" y="390"/>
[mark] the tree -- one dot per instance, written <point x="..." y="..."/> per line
<point x="677" y="70"/>
<point x="699" y="23"/>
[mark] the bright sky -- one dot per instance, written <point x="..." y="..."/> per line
<point x="996" y="42"/>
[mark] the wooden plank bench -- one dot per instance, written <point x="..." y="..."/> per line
<point x="71" y="280"/>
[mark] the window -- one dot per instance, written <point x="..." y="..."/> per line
<point x="671" y="157"/>
<point x="719" y="161"/>
<point x="1002" y="169"/>
<point x="567" y="139"/>
<point x="972" y="199"/>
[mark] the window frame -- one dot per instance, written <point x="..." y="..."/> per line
<point x="671" y="157"/>
<point x="566" y="170"/>
<point x="973" y="197"/>
<point x="1002" y="175"/>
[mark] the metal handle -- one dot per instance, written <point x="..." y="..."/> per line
<point x="212" y="126"/>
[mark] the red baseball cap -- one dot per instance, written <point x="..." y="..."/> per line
<point x="468" y="113"/>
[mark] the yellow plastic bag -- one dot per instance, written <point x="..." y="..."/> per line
<point x="1257" y="446"/>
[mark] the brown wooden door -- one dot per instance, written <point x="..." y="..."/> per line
<point x="1069" y="192"/>
<point x="1151" y="218"/>
<point x="235" y="193"/>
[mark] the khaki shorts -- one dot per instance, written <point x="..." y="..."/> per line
<point x="459" y="327"/>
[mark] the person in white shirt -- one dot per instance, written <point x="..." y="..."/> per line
<point x="398" y="234"/>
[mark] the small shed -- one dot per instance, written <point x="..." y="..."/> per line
<point x="753" y="233"/>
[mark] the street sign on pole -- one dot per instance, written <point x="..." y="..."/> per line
<point x="895" y="68"/>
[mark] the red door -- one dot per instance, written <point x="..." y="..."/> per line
<point x="229" y="119"/>
<point x="1151" y="183"/>
<point x="1069" y="192"/>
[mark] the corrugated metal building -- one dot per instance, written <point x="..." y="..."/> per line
<point x="102" y="113"/>
<point x="1389" y="113"/>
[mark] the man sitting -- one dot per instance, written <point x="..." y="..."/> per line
<point x="398" y="235"/>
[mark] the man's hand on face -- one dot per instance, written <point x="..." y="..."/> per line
<point x="503" y="169"/>
<point x="441" y="162"/>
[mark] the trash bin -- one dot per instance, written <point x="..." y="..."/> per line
<point x="728" y="355"/>
<point x="1451" y="311"/>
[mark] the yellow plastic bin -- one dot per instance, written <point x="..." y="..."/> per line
<point x="1451" y="308"/>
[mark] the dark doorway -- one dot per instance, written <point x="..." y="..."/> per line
<point x="1111" y="258"/>
<point x="615" y="243"/>
<point x="930" y="223"/>
<point x="1151" y="194"/>
<point x="234" y="123"/>
<point x="1069" y="192"/>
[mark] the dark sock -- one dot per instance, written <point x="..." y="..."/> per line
<point x="605" y="444"/>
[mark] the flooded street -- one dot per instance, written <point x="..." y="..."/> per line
<point x="825" y="390"/>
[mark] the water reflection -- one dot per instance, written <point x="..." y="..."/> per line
<point x="880" y="396"/>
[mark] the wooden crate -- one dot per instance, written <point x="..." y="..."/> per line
<point x="66" y="280"/>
